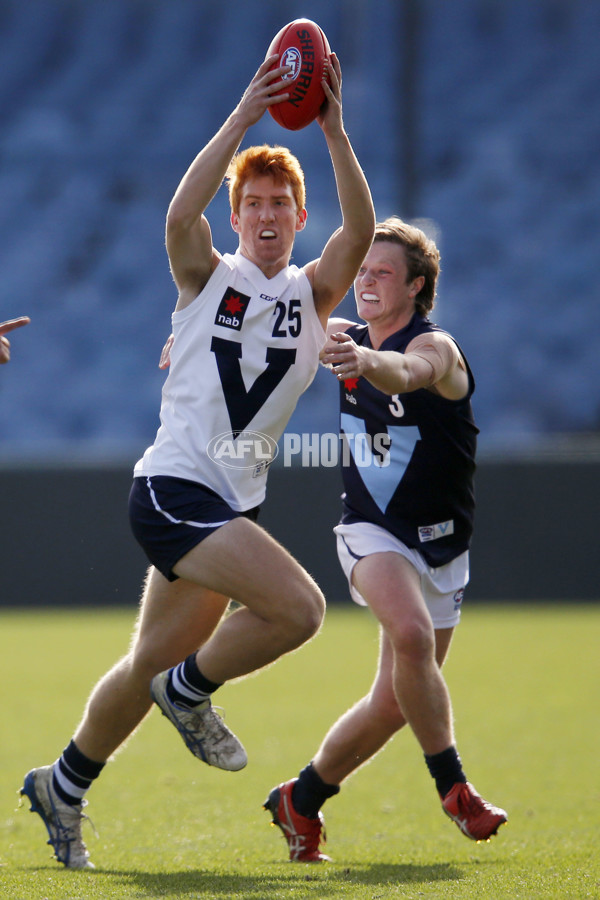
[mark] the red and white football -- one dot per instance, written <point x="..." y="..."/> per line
<point x="302" y="45"/>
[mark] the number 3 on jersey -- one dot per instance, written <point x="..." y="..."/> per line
<point x="395" y="407"/>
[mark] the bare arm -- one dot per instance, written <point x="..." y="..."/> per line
<point x="332" y="275"/>
<point x="430" y="361"/>
<point x="189" y="241"/>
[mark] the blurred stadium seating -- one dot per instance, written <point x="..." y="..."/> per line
<point x="104" y="103"/>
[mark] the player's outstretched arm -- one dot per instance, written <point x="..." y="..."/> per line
<point x="189" y="240"/>
<point x="343" y="254"/>
<point x="429" y="360"/>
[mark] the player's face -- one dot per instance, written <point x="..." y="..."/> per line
<point x="267" y="222"/>
<point x="383" y="295"/>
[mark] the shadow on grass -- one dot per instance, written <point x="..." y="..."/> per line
<point x="321" y="882"/>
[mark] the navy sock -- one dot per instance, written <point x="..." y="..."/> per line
<point x="187" y="685"/>
<point x="310" y="792"/>
<point x="73" y="774"/>
<point x="446" y="769"/>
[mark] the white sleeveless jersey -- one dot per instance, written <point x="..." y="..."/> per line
<point x="244" y="350"/>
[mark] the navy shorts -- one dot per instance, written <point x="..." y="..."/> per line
<point x="169" y="516"/>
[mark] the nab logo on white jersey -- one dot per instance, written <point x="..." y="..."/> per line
<point x="232" y="309"/>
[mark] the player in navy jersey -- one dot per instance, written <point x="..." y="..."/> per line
<point x="403" y="540"/>
<point x="248" y="328"/>
<point x="5" y="328"/>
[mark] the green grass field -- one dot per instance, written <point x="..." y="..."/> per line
<point x="524" y="683"/>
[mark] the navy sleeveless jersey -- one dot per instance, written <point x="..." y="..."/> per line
<point x="409" y="459"/>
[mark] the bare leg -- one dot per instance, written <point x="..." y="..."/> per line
<point x="391" y="586"/>
<point x="282" y="607"/>
<point x="175" y="618"/>
<point x="365" y="728"/>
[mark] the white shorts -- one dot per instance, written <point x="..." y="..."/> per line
<point x="443" y="588"/>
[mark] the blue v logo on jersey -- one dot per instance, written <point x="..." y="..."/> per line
<point x="232" y="309"/>
<point x="382" y="481"/>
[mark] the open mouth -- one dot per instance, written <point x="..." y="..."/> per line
<point x="267" y="235"/>
<point x="366" y="297"/>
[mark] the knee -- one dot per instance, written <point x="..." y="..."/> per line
<point x="306" y="609"/>
<point x="315" y="612"/>
<point x="414" y="639"/>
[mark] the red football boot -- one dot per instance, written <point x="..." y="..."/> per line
<point x="475" y="817"/>
<point x="303" y="835"/>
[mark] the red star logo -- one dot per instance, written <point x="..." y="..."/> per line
<point x="351" y="384"/>
<point x="234" y="305"/>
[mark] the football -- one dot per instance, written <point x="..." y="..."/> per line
<point x="302" y="45"/>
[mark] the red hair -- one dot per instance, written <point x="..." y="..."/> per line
<point x="254" y="162"/>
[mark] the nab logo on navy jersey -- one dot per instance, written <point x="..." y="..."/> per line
<point x="232" y="309"/>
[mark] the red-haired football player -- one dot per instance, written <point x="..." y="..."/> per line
<point x="248" y="328"/>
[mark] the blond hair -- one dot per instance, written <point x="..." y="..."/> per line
<point x="422" y="257"/>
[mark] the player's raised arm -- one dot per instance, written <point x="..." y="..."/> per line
<point x="332" y="275"/>
<point x="188" y="237"/>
